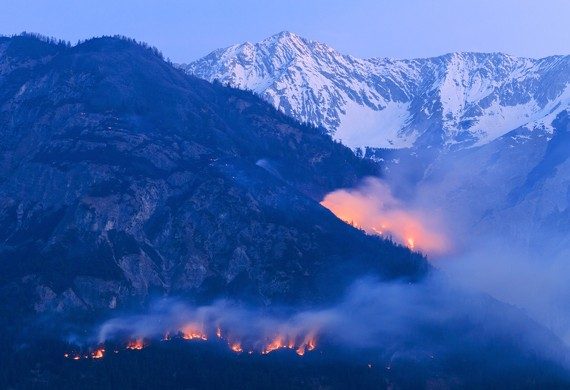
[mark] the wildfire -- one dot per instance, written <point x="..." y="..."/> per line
<point x="137" y="344"/>
<point x="99" y="353"/>
<point x="273" y="345"/>
<point x="308" y="345"/>
<point x="236" y="347"/>
<point x="192" y="332"/>
<point x="375" y="210"/>
<point x="69" y="356"/>
<point x="278" y="342"/>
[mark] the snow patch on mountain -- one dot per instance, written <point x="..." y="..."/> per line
<point x="380" y="129"/>
<point x="455" y="100"/>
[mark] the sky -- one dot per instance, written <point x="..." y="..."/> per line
<point x="187" y="30"/>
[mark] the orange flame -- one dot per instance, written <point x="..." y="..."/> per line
<point x="193" y="332"/>
<point x="137" y="344"/>
<point x="311" y="345"/>
<point x="374" y="209"/>
<point x="236" y="347"/>
<point x="308" y="344"/>
<point x="273" y="345"/>
<point x="99" y="353"/>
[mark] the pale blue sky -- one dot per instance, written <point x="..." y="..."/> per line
<point x="186" y="30"/>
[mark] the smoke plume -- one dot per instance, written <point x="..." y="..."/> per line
<point x="372" y="207"/>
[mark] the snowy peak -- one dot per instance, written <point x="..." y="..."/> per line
<point x="452" y="101"/>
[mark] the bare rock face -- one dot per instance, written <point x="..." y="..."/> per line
<point x="122" y="178"/>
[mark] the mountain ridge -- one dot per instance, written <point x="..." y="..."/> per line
<point x="121" y="178"/>
<point x="441" y="101"/>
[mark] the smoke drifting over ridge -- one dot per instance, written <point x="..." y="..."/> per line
<point x="467" y="236"/>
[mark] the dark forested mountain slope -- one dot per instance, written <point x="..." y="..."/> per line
<point x="120" y="176"/>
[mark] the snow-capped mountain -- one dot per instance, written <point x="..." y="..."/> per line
<point x="455" y="100"/>
<point x="502" y="184"/>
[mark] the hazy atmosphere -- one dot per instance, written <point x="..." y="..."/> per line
<point x="285" y="194"/>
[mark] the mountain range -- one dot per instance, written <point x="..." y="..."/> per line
<point x="479" y="138"/>
<point x="457" y="100"/>
<point x="124" y="180"/>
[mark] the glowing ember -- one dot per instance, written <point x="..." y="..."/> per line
<point x="279" y="342"/>
<point x="98" y="353"/>
<point x="311" y="345"/>
<point x="374" y="209"/>
<point x="236" y="347"/>
<point x="274" y="345"/>
<point x="192" y="332"/>
<point x="308" y="344"/>
<point x="135" y="345"/>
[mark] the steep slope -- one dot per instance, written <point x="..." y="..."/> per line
<point x="121" y="177"/>
<point x="453" y="101"/>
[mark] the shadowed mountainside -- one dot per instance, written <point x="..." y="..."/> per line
<point x="120" y="177"/>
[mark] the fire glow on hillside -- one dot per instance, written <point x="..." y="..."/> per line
<point x="372" y="208"/>
<point x="192" y="332"/>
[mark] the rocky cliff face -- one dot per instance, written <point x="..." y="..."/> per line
<point x="453" y="101"/>
<point x="121" y="178"/>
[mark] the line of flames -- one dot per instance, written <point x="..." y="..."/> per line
<point x="192" y="332"/>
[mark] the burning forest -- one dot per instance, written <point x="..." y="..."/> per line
<point x="300" y="345"/>
<point x="372" y="207"/>
<point x="218" y="323"/>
